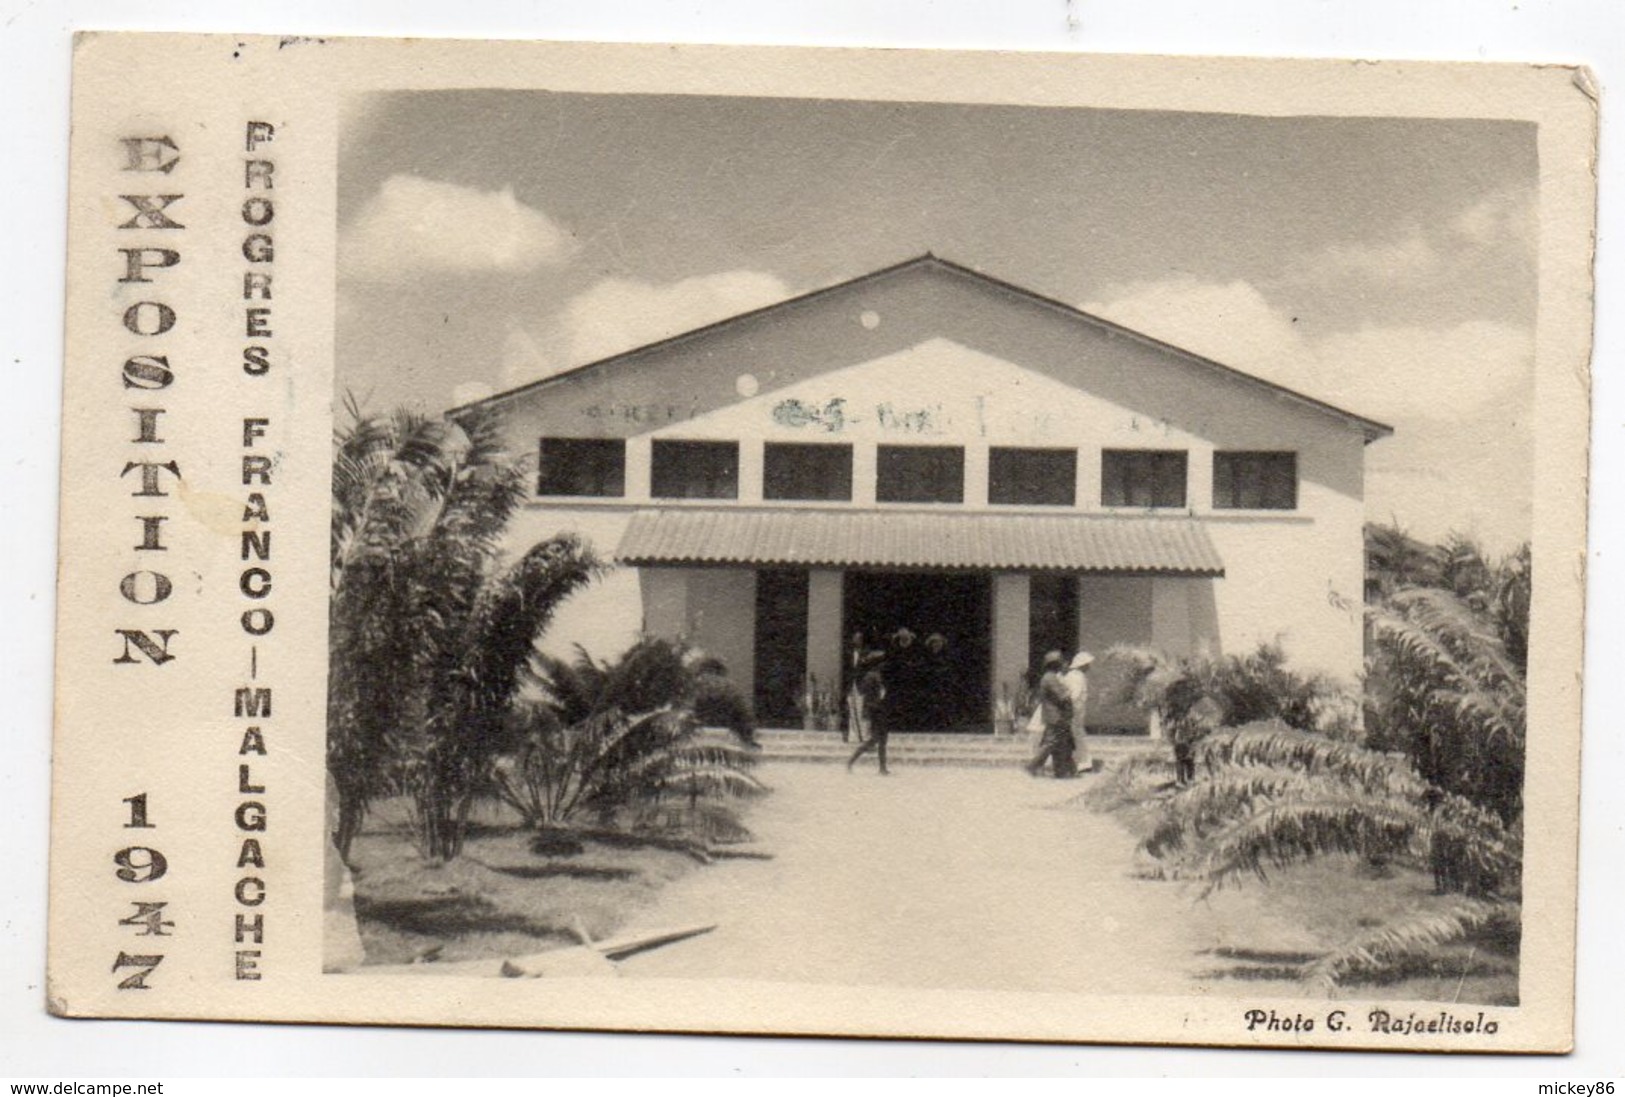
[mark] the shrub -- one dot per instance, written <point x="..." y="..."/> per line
<point x="1271" y="796"/>
<point x="621" y="743"/>
<point x="1244" y="688"/>
<point x="1435" y="786"/>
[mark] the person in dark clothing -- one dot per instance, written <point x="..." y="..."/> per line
<point x="1199" y="718"/>
<point x="1055" y="703"/>
<point x="872" y="696"/>
<point x="854" y="728"/>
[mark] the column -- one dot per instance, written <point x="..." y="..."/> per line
<point x="751" y="459"/>
<point x="976" y="475"/>
<point x="825" y="644"/>
<point x="1199" y="486"/>
<point x="1089" y="461"/>
<point x="1012" y="595"/>
<point x="637" y="468"/>
<point x="722" y="613"/>
<point x="863" y="473"/>
<point x="1171" y="614"/>
<point x="665" y="602"/>
<point x="1113" y="609"/>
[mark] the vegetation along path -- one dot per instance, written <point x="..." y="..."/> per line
<point x="949" y="878"/>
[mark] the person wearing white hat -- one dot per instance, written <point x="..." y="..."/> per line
<point x="1076" y="680"/>
<point x="1055" y="705"/>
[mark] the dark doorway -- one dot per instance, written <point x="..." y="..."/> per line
<point x="936" y="630"/>
<point x="781" y="645"/>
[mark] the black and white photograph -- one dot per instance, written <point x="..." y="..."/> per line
<point x="688" y="542"/>
<point x="1145" y="495"/>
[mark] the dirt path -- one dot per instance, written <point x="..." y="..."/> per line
<point x="944" y="878"/>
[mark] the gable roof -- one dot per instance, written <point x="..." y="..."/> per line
<point x="1371" y="428"/>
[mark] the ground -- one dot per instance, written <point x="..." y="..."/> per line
<point x="503" y="897"/>
<point x="932" y="877"/>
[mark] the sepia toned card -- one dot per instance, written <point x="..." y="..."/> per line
<point x="520" y="499"/>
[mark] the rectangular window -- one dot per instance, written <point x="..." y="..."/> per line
<point x="920" y="474"/>
<point x="1255" y="481"/>
<point x="1041" y="477"/>
<point x="694" y="470"/>
<point x="582" y="466"/>
<point x="807" y="471"/>
<point x="1142" y="478"/>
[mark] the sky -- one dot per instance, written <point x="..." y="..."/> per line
<point x="489" y="238"/>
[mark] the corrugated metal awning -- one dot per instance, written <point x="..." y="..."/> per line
<point x="1119" y="543"/>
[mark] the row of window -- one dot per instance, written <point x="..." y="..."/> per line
<point x="822" y="472"/>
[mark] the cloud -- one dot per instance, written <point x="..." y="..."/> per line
<point x="620" y="314"/>
<point x="1397" y="370"/>
<point x="1459" y="396"/>
<point x="412" y="227"/>
<point x="1473" y="262"/>
<point x="1510" y="215"/>
<point x="523" y="359"/>
<point x="1472" y="476"/>
<point x="469" y="391"/>
<point x="1464" y="370"/>
<point x="1409" y="259"/>
<point x="1230" y="322"/>
<point x="1461" y="400"/>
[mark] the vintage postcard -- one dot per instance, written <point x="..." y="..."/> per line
<point x="751" y="540"/>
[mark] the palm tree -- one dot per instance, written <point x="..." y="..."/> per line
<point x="427" y="629"/>
<point x="1437" y="786"/>
<point x="389" y="475"/>
<point x="598" y="740"/>
<point x="1446" y="691"/>
<point x="1273" y="796"/>
<point x="1395" y="559"/>
<point x="473" y="684"/>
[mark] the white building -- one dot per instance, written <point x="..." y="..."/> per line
<point x="931" y="449"/>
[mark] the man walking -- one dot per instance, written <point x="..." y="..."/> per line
<point x="1055" y="707"/>
<point x="871" y="697"/>
<point x="1077" y="687"/>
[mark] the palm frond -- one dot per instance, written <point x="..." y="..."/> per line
<point x="1280" y="834"/>
<point x="1414" y="934"/>
<point x="598" y="754"/>
<point x="1233" y="792"/>
<point x="1274" y="745"/>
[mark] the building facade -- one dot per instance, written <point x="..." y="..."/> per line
<point x="974" y="472"/>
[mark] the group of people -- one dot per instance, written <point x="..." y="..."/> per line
<point x="1060" y="715"/>
<point x="1063" y="703"/>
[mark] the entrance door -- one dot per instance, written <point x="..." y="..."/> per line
<point x="936" y="630"/>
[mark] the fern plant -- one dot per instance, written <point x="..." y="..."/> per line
<point x="1272" y="797"/>
<point x="620" y="742"/>
<point x="1436" y="786"/>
